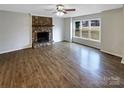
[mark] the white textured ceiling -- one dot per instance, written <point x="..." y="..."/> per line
<point x="48" y="9"/>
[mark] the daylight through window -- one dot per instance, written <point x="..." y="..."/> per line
<point x="88" y="29"/>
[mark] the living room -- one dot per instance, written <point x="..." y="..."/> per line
<point x="82" y="47"/>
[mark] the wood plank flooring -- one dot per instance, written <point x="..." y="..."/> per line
<point x="60" y="65"/>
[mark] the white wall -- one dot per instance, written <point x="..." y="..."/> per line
<point x="112" y="31"/>
<point x="58" y="29"/>
<point x="68" y="29"/>
<point x="84" y="41"/>
<point x="15" y="31"/>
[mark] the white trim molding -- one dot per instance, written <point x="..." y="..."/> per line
<point x="115" y="54"/>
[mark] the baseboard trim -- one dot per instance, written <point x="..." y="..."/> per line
<point x="111" y="53"/>
<point x="7" y="51"/>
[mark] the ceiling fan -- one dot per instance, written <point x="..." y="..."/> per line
<point x="60" y="10"/>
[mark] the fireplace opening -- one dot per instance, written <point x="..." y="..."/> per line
<point x="42" y="37"/>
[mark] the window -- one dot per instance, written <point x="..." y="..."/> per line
<point x="85" y="23"/>
<point x="88" y="29"/>
<point x="95" y="29"/>
<point x="95" y="23"/>
<point x="77" y="28"/>
<point x="85" y="29"/>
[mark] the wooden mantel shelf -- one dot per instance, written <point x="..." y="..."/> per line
<point x="42" y="25"/>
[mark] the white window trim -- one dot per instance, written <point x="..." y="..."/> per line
<point x="89" y="32"/>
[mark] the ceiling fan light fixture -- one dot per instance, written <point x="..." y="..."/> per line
<point x="60" y="7"/>
<point x="59" y="13"/>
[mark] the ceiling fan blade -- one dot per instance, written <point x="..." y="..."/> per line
<point x="70" y="9"/>
<point x="64" y="12"/>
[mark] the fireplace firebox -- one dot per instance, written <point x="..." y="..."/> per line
<point x="42" y="37"/>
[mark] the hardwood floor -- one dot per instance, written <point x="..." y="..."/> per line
<point x="61" y="65"/>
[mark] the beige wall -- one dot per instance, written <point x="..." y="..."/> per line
<point x="112" y="31"/>
<point x="15" y="31"/>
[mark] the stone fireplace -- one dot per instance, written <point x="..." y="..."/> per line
<point x="42" y="33"/>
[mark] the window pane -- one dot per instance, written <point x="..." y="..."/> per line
<point x="77" y="28"/>
<point x="95" y="35"/>
<point x="85" y="33"/>
<point x="85" y="23"/>
<point x="95" y="29"/>
<point x="95" y="23"/>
